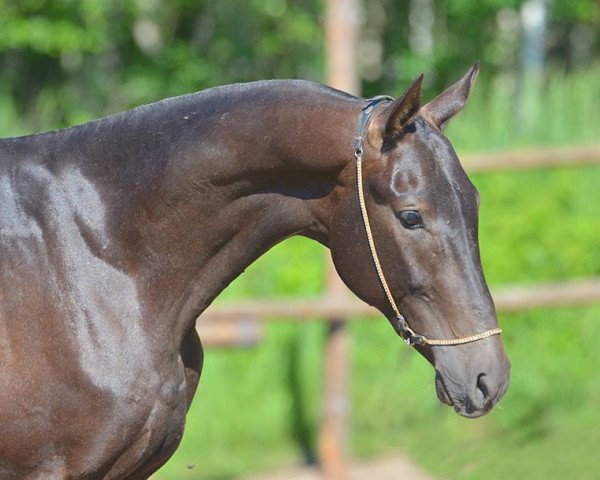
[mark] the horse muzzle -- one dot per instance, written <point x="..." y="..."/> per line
<point x="472" y="388"/>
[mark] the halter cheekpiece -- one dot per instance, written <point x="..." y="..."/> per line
<point x="401" y="325"/>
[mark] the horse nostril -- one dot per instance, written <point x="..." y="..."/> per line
<point x="482" y="390"/>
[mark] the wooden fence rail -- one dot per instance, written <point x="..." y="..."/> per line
<point x="532" y="158"/>
<point x="507" y="299"/>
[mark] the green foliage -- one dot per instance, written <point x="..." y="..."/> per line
<point x="586" y="11"/>
<point x="74" y="61"/>
<point x="65" y="62"/>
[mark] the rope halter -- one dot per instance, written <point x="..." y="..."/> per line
<point x="401" y="325"/>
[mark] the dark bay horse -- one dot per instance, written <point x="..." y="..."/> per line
<point x="116" y="235"/>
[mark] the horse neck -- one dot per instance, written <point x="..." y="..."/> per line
<point x="251" y="175"/>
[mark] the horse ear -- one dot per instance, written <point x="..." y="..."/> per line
<point x="403" y="110"/>
<point x="448" y="103"/>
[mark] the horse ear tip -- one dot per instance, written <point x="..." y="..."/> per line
<point x="472" y="74"/>
<point x="416" y="85"/>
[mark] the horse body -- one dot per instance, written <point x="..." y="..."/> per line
<point x="112" y="242"/>
<point x="114" y="237"/>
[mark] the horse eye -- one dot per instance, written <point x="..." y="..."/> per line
<point x="411" y="219"/>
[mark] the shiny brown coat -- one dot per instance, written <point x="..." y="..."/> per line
<point x="116" y="235"/>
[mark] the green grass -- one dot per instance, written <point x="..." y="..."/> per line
<point x="259" y="408"/>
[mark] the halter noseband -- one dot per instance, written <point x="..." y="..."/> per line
<point x="401" y="325"/>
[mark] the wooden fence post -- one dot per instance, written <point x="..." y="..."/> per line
<point x="342" y="25"/>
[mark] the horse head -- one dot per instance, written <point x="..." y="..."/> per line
<point x="423" y="214"/>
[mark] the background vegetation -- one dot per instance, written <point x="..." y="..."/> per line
<point x="64" y="62"/>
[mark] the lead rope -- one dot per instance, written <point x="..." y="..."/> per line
<point x="409" y="335"/>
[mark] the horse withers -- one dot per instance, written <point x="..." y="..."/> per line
<point x="117" y="234"/>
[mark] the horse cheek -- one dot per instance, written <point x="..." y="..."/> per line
<point x="351" y="256"/>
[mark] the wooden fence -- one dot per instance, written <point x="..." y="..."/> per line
<point x="241" y="324"/>
<point x="507" y="299"/>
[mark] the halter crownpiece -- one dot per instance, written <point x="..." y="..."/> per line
<point x="401" y="325"/>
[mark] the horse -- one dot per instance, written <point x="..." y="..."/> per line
<point x="117" y="234"/>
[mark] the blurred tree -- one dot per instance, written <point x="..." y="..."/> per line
<point x="97" y="57"/>
<point x="574" y="38"/>
<point x="464" y="31"/>
<point x="65" y="61"/>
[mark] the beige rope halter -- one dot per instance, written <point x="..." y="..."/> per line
<point x="409" y="335"/>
